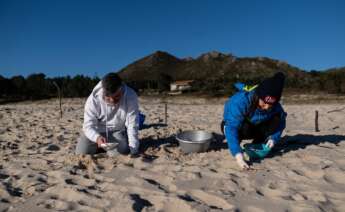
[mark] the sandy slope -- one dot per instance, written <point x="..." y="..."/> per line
<point x="38" y="170"/>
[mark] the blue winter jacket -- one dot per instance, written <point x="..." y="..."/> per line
<point x="236" y="110"/>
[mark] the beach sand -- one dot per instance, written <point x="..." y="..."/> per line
<point x="39" y="171"/>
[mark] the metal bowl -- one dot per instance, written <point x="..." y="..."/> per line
<point x="109" y="146"/>
<point x="194" y="140"/>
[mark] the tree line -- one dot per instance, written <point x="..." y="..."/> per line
<point x="38" y="86"/>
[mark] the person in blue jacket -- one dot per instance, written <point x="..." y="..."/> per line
<point x="254" y="114"/>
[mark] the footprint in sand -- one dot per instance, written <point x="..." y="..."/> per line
<point x="314" y="173"/>
<point x="8" y="189"/>
<point x="211" y="200"/>
<point x="304" y="207"/>
<point x="299" y="197"/>
<point x="54" y="203"/>
<point x="272" y="190"/>
<point x="156" y="184"/>
<point x="316" y="196"/>
<point x="335" y="176"/>
<point x="77" y="194"/>
<point x="53" y="147"/>
<point x="139" y="203"/>
<point x="297" y="175"/>
<point x="168" y="203"/>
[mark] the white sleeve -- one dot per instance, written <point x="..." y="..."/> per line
<point x="90" y="119"/>
<point x="132" y="121"/>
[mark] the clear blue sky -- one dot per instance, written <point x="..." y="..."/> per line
<point x="69" y="37"/>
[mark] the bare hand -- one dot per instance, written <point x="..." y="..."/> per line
<point x="270" y="143"/>
<point x="240" y="161"/>
<point x="101" y="140"/>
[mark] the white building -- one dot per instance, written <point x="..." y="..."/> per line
<point x="182" y="85"/>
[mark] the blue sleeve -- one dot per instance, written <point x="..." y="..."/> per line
<point x="234" y="114"/>
<point x="231" y="134"/>
<point x="277" y="135"/>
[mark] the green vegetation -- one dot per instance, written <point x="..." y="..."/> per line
<point x="37" y="86"/>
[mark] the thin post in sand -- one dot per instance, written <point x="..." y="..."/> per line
<point x="166" y="113"/>
<point x="59" y="94"/>
<point x="317" y="121"/>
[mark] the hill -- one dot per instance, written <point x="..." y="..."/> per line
<point x="215" y="72"/>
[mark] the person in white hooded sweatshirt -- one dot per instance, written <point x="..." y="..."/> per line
<point x="111" y="116"/>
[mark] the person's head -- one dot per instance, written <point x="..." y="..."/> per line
<point x="112" y="88"/>
<point x="270" y="91"/>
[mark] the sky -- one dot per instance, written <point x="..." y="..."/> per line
<point x="70" y="37"/>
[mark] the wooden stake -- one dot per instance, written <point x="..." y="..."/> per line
<point x="59" y="94"/>
<point x="166" y="113"/>
<point x="317" y="121"/>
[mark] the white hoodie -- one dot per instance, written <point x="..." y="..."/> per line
<point x="100" y="117"/>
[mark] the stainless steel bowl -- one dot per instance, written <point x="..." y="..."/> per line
<point x="109" y="146"/>
<point x="194" y="140"/>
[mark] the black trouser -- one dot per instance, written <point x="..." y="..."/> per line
<point x="257" y="132"/>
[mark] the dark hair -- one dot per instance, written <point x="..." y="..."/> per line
<point x="111" y="83"/>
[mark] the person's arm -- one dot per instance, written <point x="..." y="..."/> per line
<point x="132" y="123"/>
<point x="231" y="135"/>
<point x="90" y="120"/>
<point x="276" y="136"/>
<point x="234" y="112"/>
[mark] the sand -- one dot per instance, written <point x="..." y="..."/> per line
<point x="39" y="171"/>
